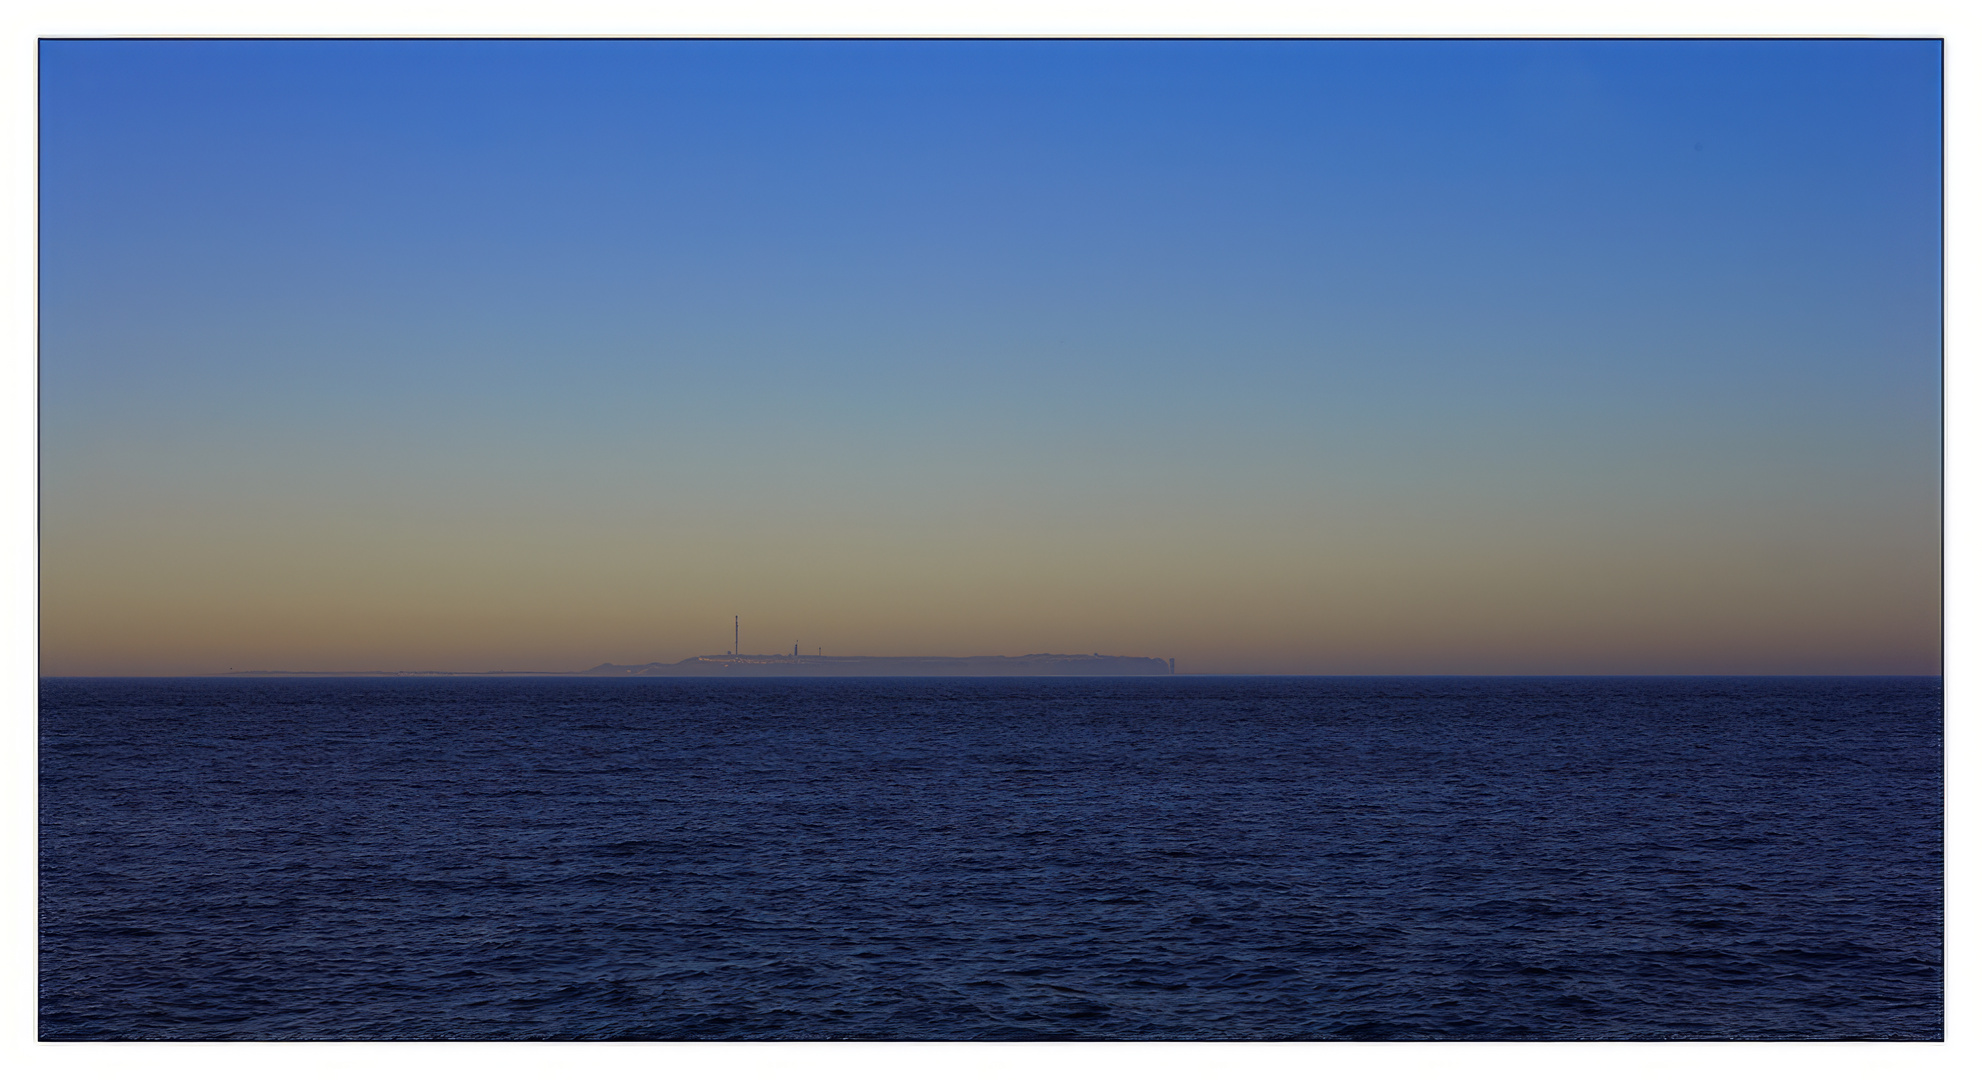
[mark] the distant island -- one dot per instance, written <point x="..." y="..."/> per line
<point x="734" y="665"/>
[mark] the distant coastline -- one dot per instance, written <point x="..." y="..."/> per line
<point x="778" y="665"/>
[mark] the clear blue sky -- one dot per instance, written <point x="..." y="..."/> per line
<point x="1287" y="356"/>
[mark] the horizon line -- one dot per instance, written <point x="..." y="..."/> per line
<point x="503" y="673"/>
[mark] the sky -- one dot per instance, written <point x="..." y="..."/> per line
<point x="1326" y="357"/>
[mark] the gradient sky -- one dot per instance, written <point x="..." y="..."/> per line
<point x="1313" y="357"/>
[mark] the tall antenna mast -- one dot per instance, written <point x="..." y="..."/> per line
<point x="736" y="634"/>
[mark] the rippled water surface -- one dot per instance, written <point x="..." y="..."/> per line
<point x="1164" y="858"/>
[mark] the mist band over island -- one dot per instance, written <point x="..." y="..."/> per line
<point x="776" y="665"/>
<point x="737" y="663"/>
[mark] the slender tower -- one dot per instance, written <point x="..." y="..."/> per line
<point x="736" y="634"/>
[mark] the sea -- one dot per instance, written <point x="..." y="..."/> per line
<point x="1166" y="858"/>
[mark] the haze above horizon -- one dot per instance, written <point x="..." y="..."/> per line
<point x="1487" y="357"/>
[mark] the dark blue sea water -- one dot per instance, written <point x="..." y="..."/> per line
<point x="1164" y="858"/>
